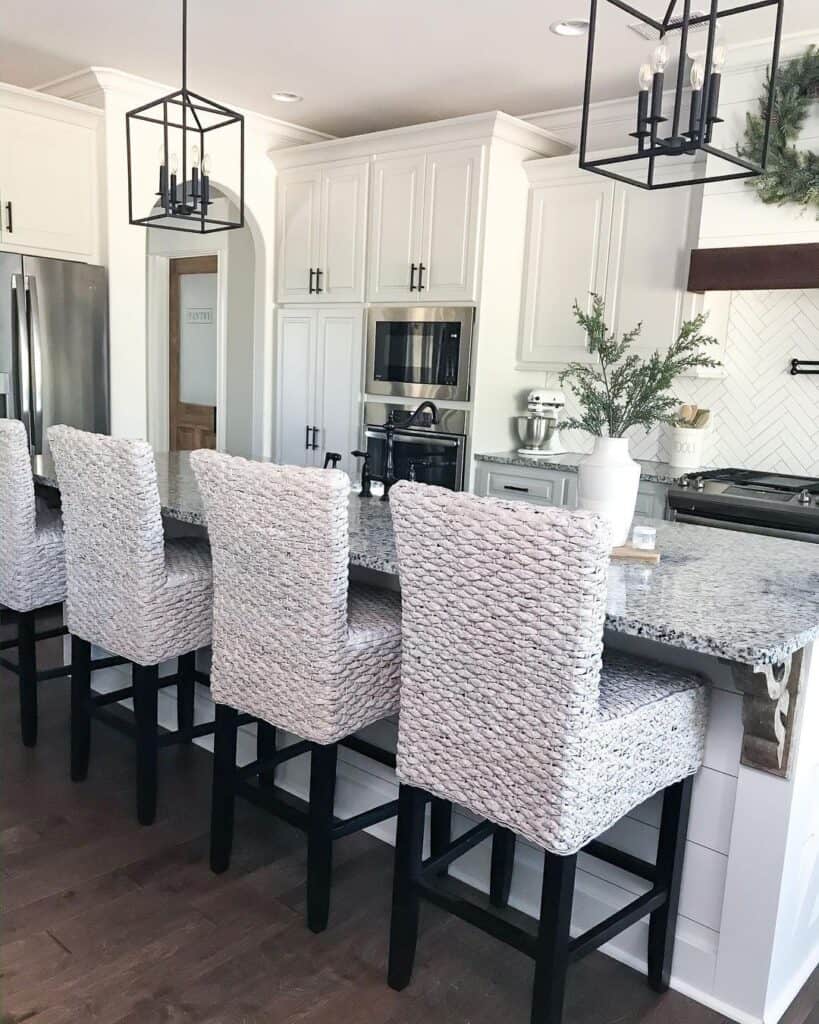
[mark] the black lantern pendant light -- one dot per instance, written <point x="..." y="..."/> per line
<point x="674" y="130"/>
<point x="177" y="135"/>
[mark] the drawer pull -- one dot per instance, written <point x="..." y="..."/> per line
<point x="511" y="487"/>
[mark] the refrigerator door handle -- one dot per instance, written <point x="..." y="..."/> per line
<point x="23" y="363"/>
<point x="36" y="365"/>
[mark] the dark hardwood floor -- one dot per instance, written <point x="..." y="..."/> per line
<point x="104" y="921"/>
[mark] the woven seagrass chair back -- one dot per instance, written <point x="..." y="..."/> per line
<point x="503" y="611"/>
<point x="114" y="541"/>
<point x="18" y="516"/>
<point x="280" y="546"/>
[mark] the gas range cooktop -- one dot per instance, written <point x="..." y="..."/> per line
<point x="773" y="503"/>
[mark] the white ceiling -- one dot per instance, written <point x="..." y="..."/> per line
<point x="361" y="65"/>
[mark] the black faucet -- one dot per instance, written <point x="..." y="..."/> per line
<point x="388" y="476"/>
<point x="366" y="479"/>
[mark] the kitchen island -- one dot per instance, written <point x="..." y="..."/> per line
<point x="743" y="610"/>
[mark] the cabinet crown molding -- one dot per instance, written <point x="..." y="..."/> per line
<point x="91" y="85"/>
<point x="485" y="127"/>
<point x="32" y="102"/>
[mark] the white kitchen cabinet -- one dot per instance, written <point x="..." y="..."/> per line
<point x="319" y="384"/>
<point x="648" y="262"/>
<point x="322" y="227"/>
<point x="586" y="234"/>
<point x="425" y="225"/>
<point x="519" y="483"/>
<point x="452" y="193"/>
<point x="396" y="227"/>
<point x="299" y="204"/>
<point x="567" y="253"/>
<point x="47" y="183"/>
<point x="554" y="487"/>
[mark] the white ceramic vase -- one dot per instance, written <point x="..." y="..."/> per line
<point x="607" y="482"/>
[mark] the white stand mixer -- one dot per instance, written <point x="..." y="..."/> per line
<point x="539" y="430"/>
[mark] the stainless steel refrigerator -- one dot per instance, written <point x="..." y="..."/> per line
<point x="53" y="345"/>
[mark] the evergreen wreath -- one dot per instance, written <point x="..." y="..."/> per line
<point x="792" y="176"/>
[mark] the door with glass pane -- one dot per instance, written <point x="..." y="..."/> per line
<point x="192" y="353"/>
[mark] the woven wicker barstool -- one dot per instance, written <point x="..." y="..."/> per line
<point x="510" y="708"/>
<point x="32" y="568"/>
<point x="295" y="647"/>
<point x="139" y="596"/>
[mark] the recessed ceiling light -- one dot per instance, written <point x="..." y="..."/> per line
<point x="570" y="27"/>
<point x="287" y="97"/>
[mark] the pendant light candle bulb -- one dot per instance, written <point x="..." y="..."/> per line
<point x="660" y="58"/>
<point x="644" y="77"/>
<point x="697" y="75"/>
<point x="718" y="57"/>
<point x="194" y="156"/>
<point x="174" y="163"/>
<point x="206" y="164"/>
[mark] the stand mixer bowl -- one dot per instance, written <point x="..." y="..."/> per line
<point x="534" y="430"/>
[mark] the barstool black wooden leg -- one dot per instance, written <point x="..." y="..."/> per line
<point x="670" y="855"/>
<point x="27" y="677"/>
<point x="80" y="707"/>
<point x="185" y="690"/>
<point x="440" y="826"/>
<point x="503" y="862"/>
<point x="146" y="679"/>
<point x="223" y="795"/>
<point x="319" y="834"/>
<point x="266" y="747"/>
<point x="552" y="950"/>
<point x="406" y="901"/>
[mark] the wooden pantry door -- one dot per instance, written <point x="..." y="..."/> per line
<point x="192" y="310"/>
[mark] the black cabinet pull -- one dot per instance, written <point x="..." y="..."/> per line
<point x="511" y="487"/>
<point x="413" y="268"/>
<point x="421" y="269"/>
<point x="9" y="219"/>
<point x="319" y="273"/>
<point x="307" y="437"/>
<point x="314" y="445"/>
<point x="310" y="289"/>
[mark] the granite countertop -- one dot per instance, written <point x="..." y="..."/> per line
<point x="740" y="596"/>
<point x="653" y="472"/>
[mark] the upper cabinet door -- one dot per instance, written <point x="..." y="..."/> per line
<point x="296" y="389"/>
<point x="299" y="204"/>
<point x="342" y="233"/>
<point x="567" y="249"/>
<point x="648" y="262"/>
<point x="48" y="175"/>
<point x="395" y="227"/>
<point x="339" y="347"/>
<point x="451" y="221"/>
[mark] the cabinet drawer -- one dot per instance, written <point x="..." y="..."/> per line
<point x="544" y="489"/>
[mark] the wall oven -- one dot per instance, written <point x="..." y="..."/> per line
<point x="431" y="453"/>
<point x="420" y="352"/>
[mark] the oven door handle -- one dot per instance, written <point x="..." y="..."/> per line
<point x="727" y="524"/>
<point x="437" y="439"/>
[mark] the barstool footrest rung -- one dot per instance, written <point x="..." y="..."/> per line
<point x="347" y="826"/>
<point x="488" y="921"/>
<point x="434" y="865"/>
<point x="247" y="771"/>
<point x="616" y="923"/>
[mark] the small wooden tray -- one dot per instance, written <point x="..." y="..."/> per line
<point x="638" y="554"/>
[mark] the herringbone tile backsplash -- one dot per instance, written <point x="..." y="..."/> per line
<point x="763" y="418"/>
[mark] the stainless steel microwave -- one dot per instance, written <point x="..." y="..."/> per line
<point x="420" y="351"/>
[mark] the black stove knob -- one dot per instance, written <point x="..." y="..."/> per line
<point x="685" y="481"/>
<point x="699" y="483"/>
<point x="804" y="497"/>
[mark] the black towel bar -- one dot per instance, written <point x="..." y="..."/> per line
<point x="799" y="366"/>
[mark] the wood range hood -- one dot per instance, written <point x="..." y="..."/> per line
<point x="754" y="268"/>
